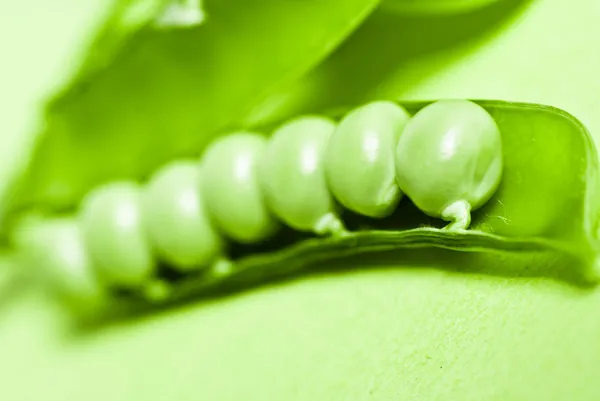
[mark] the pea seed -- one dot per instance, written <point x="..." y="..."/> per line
<point x="114" y="236"/>
<point x="175" y="219"/>
<point x="231" y="188"/>
<point x="56" y="250"/>
<point x="360" y="158"/>
<point x="293" y="177"/>
<point x="449" y="160"/>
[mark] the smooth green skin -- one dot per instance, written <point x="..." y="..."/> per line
<point x="175" y="217"/>
<point x="231" y="188"/>
<point x="55" y="251"/>
<point x="449" y="159"/>
<point x="359" y="163"/>
<point x="111" y="221"/>
<point x="292" y="175"/>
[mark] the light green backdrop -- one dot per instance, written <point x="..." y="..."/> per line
<point x="381" y="335"/>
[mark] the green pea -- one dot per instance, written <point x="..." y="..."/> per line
<point x="231" y="188"/>
<point x="449" y="160"/>
<point x="293" y="178"/>
<point x="175" y="217"/>
<point x="114" y="236"/>
<point x="55" y="249"/>
<point x="360" y="158"/>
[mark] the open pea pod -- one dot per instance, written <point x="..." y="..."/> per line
<point x="541" y="222"/>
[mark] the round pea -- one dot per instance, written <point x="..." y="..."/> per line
<point x="114" y="234"/>
<point x="449" y="160"/>
<point x="293" y="177"/>
<point x="360" y="158"/>
<point x="231" y="188"/>
<point x="175" y="218"/>
<point x="56" y="250"/>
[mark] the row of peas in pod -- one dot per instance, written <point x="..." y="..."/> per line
<point x="447" y="159"/>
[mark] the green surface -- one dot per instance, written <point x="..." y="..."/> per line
<point x="389" y="334"/>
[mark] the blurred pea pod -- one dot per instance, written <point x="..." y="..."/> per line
<point x="144" y="95"/>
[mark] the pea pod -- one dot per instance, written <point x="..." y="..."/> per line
<point x="550" y="166"/>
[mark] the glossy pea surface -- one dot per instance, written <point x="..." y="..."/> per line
<point x="293" y="178"/>
<point x="231" y="189"/>
<point x="449" y="159"/>
<point x="114" y="235"/>
<point x="360" y="158"/>
<point x="175" y="217"/>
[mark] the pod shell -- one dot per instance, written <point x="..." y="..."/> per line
<point x="114" y="234"/>
<point x="293" y="178"/>
<point x="231" y="188"/>
<point x="360" y="158"/>
<point x="175" y="218"/>
<point x="450" y="151"/>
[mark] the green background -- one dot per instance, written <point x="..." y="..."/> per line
<point x="387" y="334"/>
